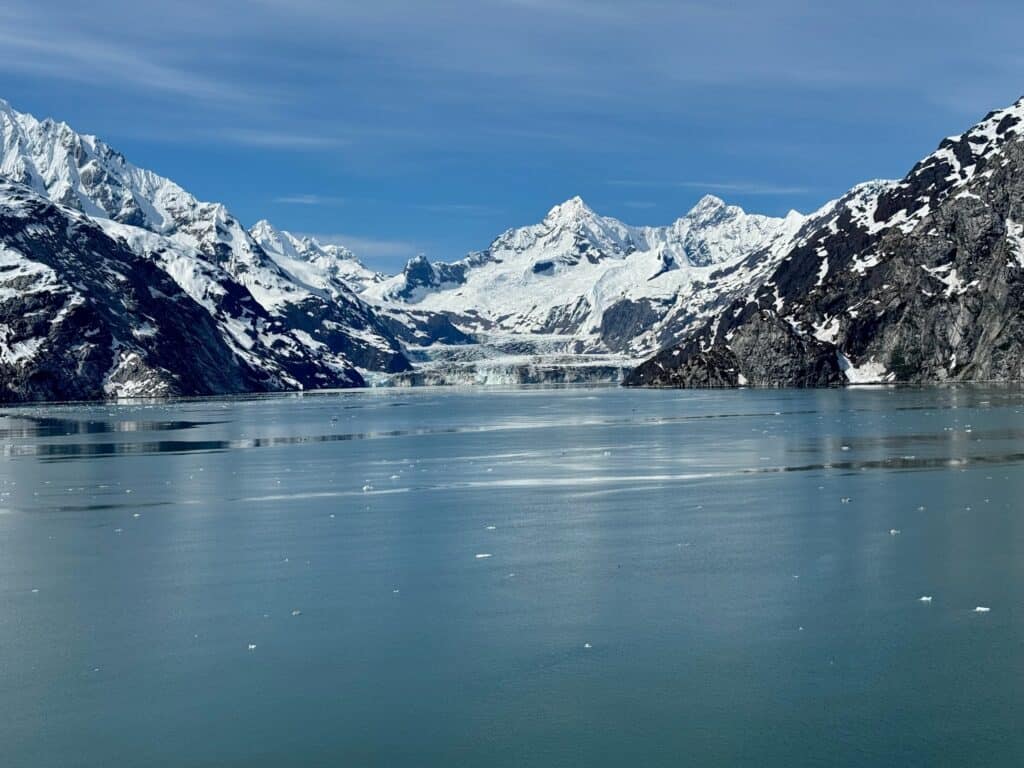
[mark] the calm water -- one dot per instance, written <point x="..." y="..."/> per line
<point x="673" y="578"/>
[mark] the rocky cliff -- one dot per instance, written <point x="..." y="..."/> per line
<point x="920" y="280"/>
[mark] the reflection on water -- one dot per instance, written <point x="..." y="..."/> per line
<point x="595" y="577"/>
<point x="26" y="425"/>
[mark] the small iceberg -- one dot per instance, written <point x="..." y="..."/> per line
<point x="925" y="598"/>
<point x="483" y="555"/>
<point x="982" y="609"/>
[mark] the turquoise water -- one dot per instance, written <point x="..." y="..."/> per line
<point x="674" y="578"/>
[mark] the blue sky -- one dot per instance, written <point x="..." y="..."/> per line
<point x="405" y="126"/>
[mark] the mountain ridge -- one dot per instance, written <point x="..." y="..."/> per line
<point x="608" y="285"/>
<point x="917" y="280"/>
<point x="84" y="173"/>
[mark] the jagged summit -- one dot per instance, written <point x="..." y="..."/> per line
<point x="916" y="280"/>
<point x="706" y="205"/>
<point x="608" y="284"/>
<point x="290" y="315"/>
<point x="572" y="209"/>
<point x="326" y="267"/>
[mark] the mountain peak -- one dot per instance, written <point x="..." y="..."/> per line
<point x="708" y="204"/>
<point x="262" y="228"/>
<point x="572" y="209"/>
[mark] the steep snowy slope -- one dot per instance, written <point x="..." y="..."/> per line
<point x="333" y="269"/>
<point x="83" y="173"/>
<point x="609" y="286"/>
<point x="917" y="280"/>
<point x="83" y="316"/>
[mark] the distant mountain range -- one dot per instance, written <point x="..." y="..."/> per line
<point x="116" y="282"/>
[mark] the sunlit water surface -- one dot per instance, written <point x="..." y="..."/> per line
<point x="592" y="577"/>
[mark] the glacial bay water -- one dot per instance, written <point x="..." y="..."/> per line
<point x="536" y="577"/>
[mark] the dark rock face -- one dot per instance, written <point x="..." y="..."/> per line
<point x="916" y="281"/>
<point x="764" y="351"/>
<point x="624" y="321"/>
<point x="207" y="251"/>
<point x="420" y="274"/>
<point x="425" y="328"/>
<point x="85" y="317"/>
<point x="566" y="318"/>
<point x="332" y="323"/>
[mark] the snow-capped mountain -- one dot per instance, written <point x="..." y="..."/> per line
<point x="83" y="173"/>
<point x="114" y="281"/>
<point x="324" y="266"/>
<point x="918" y="280"/>
<point x="607" y="286"/>
<point x="84" y="316"/>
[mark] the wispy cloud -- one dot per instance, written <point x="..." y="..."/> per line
<point x="371" y="248"/>
<point x="279" y="139"/>
<point x="27" y="49"/>
<point x="309" y="199"/>
<point x="738" y="187"/>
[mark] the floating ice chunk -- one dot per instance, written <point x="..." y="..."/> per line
<point x="491" y="527"/>
<point x="844" y="448"/>
<point x="894" y="531"/>
<point x="845" y="500"/>
<point x="982" y="609"/>
<point x="925" y="598"/>
<point x="394" y="591"/>
<point x="483" y="555"/>
<point x="136" y="515"/>
<point x="588" y="646"/>
<point x="367" y="487"/>
<point x="296" y="612"/>
<point x="252" y="646"/>
<point x="35" y="590"/>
